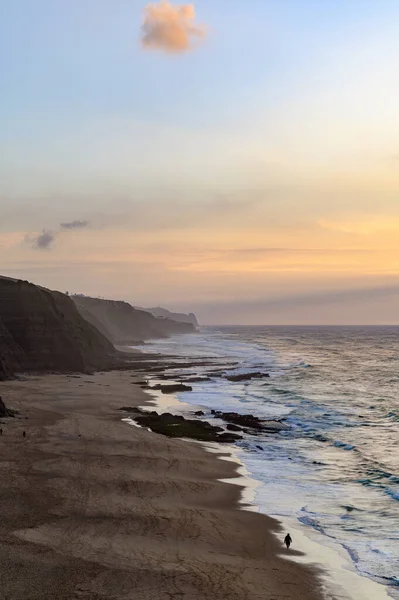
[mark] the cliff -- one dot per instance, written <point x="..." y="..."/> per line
<point x="123" y="324"/>
<point x="8" y="353"/>
<point x="42" y="330"/>
<point x="164" y="313"/>
<point x="11" y="354"/>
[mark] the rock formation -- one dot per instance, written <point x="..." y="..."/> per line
<point x="10" y="354"/>
<point x="247" y="376"/>
<point x="122" y="324"/>
<point x="164" y="313"/>
<point x="250" y="422"/>
<point x="172" y="388"/>
<point x="4" y="411"/>
<point x="41" y="330"/>
<point x="178" y="426"/>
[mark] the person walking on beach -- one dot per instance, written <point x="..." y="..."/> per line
<point x="288" y="540"/>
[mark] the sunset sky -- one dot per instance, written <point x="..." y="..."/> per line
<point x="235" y="158"/>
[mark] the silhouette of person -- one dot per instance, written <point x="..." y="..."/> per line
<point x="1" y="431"/>
<point x="24" y="434"/>
<point x="288" y="540"/>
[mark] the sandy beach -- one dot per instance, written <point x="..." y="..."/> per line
<point x="94" y="508"/>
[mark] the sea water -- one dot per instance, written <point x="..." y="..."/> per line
<point x="336" y="470"/>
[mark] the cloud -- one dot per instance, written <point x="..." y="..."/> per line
<point x="74" y="225"/>
<point x="364" y="225"/>
<point x="339" y="306"/>
<point x="170" y="28"/>
<point x="317" y="298"/>
<point x="266" y="251"/>
<point x="44" y="240"/>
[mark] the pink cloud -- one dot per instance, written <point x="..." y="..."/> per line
<point x="170" y="28"/>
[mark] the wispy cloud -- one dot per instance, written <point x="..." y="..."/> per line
<point x="318" y="298"/>
<point x="363" y="225"/>
<point x="43" y="241"/>
<point x="318" y="251"/>
<point x="330" y="297"/>
<point x="170" y="28"/>
<point x="74" y="225"/>
<point x="339" y="306"/>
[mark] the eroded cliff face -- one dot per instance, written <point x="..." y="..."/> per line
<point x="42" y="330"/>
<point x="164" y="313"/>
<point x="4" y="370"/>
<point x="123" y="324"/>
<point x="10" y="353"/>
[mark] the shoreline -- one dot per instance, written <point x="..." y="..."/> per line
<point x="96" y="509"/>
<point x="341" y="577"/>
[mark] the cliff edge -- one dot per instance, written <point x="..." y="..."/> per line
<point x="42" y="330"/>
<point x="123" y="324"/>
<point x="164" y="313"/>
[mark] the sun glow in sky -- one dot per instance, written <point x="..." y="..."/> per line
<point x="238" y="159"/>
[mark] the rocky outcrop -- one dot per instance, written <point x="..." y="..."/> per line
<point x="122" y="324"/>
<point x="178" y="426"/>
<point x="10" y="353"/>
<point x="4" y="411"/>
<point x="164" y="313"/>
<point x="5" y="372"/>
<point x="172" y="388"/>
<point x="250" y="422"/>
<point x="232" y="427"/>
<point x="42" y="330"/>
<point x="246" y="376"/>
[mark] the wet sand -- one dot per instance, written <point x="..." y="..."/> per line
<point x="93" y="508"/>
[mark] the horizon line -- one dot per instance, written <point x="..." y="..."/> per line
<point x="301" y="325"/>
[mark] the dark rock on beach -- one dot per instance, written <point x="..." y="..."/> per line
<point x="251" y="422"/>
<point x="199" y="413"/>
<point x="179" y="427"/>
<point x="247" y="376"/>
<point x="243" y="420"/>
<point x="221" y="372"/>
<point x="4" y="411"/>
<point x="172" y="388"/>
<point x="232" y="427"/>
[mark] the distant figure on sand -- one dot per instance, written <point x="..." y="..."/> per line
<point x="24" y="434"/>
<point x="1" y="431"/>
<point x="288" y="540"/>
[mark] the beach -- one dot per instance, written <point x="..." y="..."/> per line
<point x="94" y="508"/>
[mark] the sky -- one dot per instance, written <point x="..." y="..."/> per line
<point x="239" y="159"/>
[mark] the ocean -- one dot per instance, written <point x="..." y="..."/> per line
<point x="336" y="471"/>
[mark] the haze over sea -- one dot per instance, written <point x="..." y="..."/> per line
<point x="336" y="470"/>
